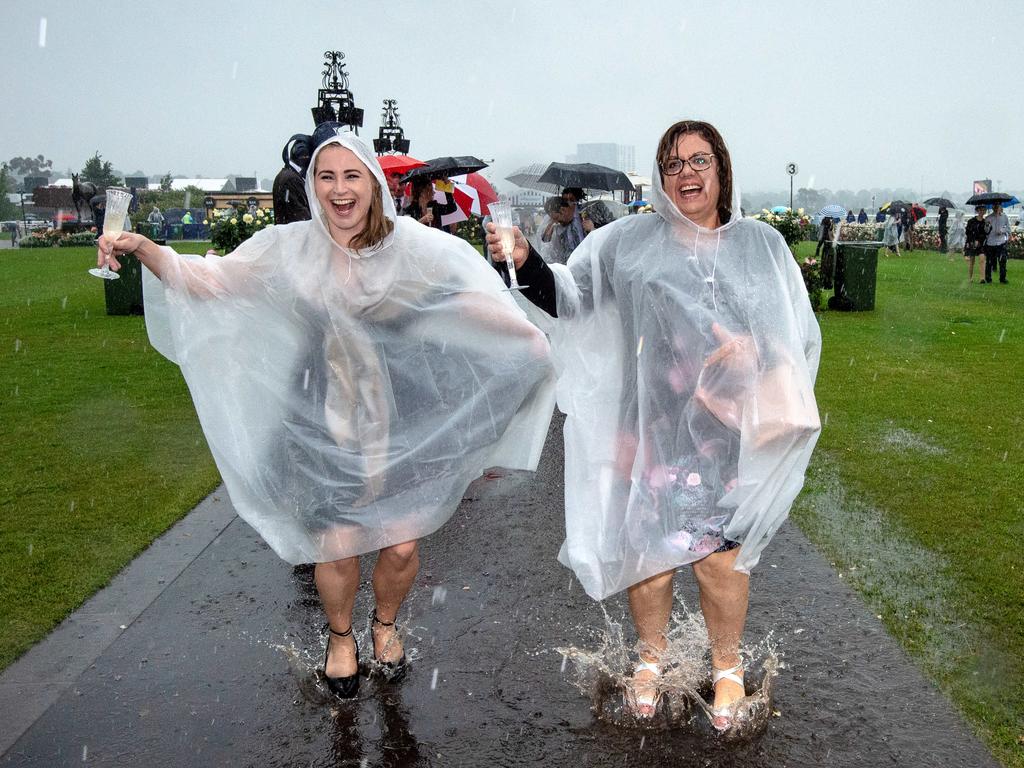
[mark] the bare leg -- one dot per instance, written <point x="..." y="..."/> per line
<point x="723" y="601"/>
<point x="393" y="576"/>
<point x="970" y="269"/>
<point x="337" y="582"/>
<point x="650" y="602"/>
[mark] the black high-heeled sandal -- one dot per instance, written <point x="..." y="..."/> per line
<point x="342" y="687"/>
<point x="393" y="671"/>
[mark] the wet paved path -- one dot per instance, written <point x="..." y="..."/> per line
<point x="200" y="675"/>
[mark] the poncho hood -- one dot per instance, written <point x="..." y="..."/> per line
<point x="362" y="150"/>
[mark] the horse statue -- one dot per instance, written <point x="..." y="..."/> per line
<point x="82" y="192"/>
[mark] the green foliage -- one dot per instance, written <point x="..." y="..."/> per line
<point x="77" y="240"/>
<point x="8" y="210"/>
<point x="99" y="172"/>
<point x="174" y="198"/>
<point x="469" y="230"/>
<point x="165" y="182"/>
<point x="230" y="227"/>
<point x="792" y="225"/>
<point x="31" y="166"/>
<point x="810" y="270"/>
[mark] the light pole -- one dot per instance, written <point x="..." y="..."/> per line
<point x="791" y="169"/>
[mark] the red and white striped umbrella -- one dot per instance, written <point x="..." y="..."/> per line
<point x="472" y="193"/>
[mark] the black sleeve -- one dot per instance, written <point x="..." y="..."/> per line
<point x="538" y="279"/>
<point x="448" y="207"/>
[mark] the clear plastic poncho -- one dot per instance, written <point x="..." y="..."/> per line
<point x="891" y="234"/>
<point x="957" y="233"/>
<point x="349" y="398"/>
<point x="687" y="360"/>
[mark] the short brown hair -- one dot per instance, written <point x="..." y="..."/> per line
<point x="667" y="145"/>
<point x="378" y="226"/>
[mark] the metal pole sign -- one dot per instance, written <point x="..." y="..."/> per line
<point x="791" y="169"/>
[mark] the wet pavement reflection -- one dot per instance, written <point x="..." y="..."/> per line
<point x="222" y="669"/>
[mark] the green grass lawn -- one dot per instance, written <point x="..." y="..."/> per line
<point x="102" y="450"/>
<point x="914" y="492"/>
<point x="915" y="488"/>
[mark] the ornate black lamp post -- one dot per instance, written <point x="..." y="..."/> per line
<point x="335" y="101"/>
<point x="390" y="137"/>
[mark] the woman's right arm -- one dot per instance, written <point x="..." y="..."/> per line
<point x="531" y="270"/>
<point x="149" y="253"/>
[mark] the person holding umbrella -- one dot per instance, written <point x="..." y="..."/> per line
<point x="688" y="351"/>
<point x="974" y="243"/>
<point x="352" y="374"/>
<point x="997" y="225"/>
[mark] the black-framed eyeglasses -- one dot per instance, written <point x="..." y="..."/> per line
<point x="699" y="161"/>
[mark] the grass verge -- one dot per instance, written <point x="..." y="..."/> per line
<point x="915" y="491"/>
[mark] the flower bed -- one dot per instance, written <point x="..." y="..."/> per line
<point x="230" y="227"/>
<point x="47" y="238"/>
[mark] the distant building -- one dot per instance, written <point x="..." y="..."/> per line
<point x="525" y="198"/>
<point x="621" y="157"/>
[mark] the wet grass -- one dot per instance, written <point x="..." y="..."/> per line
<point x="915" y="489"/>
<point x="102" y="450"/>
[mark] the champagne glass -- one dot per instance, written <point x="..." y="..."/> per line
<point x="501" y="215"/>
<point x="118" y="201"/>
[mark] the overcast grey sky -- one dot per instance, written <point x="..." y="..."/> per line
<point x="859" y="94"/>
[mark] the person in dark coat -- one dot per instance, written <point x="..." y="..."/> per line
<point x="424" y="208"/>
<point x="974" y="243"/>
<point x="290" y="202"/>
<point x="862" y="217"/>
<point x="943" y="228"/>
<point x="827" y="252"/>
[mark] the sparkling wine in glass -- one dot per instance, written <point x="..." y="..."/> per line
<point x="501" y="215"/>
<point x="118" y="201"/>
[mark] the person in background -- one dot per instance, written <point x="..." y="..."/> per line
<point x="825" y="250"/>
<point x="395" y="190"/>
<point x="188" y="225"/>
<point x="998" y="228"/>
<point x="880" y="217"/>
<point x="891" y="234"/>
<point x="862" y="217"/>
<point x="574" y="233"/>
<point x="974" y="243"/>
<point x="289" y="190"/>
<point x="943" y="228"/>
<point x="555" y="248"/>
<point x="156" y="222"/>
<point x="850" y="216"/>
<point x="958" y="235"/>
<point x="425" y="208"/>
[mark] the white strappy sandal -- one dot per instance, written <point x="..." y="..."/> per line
<point x="721" y="717"/>
<point x="644" y="705"/>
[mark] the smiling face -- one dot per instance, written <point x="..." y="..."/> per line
<point x="695" y="194"/>
<point x="344" y="187"/>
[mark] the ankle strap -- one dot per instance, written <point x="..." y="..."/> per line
<point x="375" y="620"/>
<point x="329" y="628"/>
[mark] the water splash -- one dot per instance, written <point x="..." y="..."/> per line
<point x="439" y="596"/>
<point x="603" y="672"/>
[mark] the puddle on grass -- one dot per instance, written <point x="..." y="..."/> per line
<point x="602" y="671"/>
<point x="906" y="440"/>
<point x="882" y="560"/>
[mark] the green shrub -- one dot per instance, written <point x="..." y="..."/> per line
<point x="230" y="227"/>
<point x="77" y="240"/>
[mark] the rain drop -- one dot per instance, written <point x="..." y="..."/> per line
<point x="287" y="194"/>
<point x="30" y="545"/>
<point x="1002" y="335"/>
<point x="640" y="346"/>
<point x="433" y="680"/>
<point x="85" y="747"/>
<point x="305" y="380"/>
<point x="851" y="362"/>
<point x="42" y="44"/>
<point x="1005" y="454"/>
<point x="642" y="740"/>
<point x="234" y="70"/>
<point x="64" y="303"/>
<point x="824" y="421"/>
<point x="565" y="660"/>
<point x="17" y="345"/>
<point x="440" y="593"/>
<point x="72" y="507"/>
<point x="875" y="377"/>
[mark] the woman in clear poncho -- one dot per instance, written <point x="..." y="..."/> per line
<point x="352" y="375"/>
<point x="687" y="350"/>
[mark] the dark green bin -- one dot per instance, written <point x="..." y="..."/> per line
<point x="124" y="296"/>
<point x="856" y="272"/>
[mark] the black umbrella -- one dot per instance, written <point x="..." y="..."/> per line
<point x="896" y="207"/>
<point x="586" y="175"/>
<point x="443" y="167"/>
<point x="987" y="198"/>
<point x="943" y="202"/>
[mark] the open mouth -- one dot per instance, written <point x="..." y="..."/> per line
<point x="343" y="206"/>
<point x="690" y="192"/>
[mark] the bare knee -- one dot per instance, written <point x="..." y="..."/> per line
<point x="717" y="569"/>
<point x="339" y="568"/>
<point x="402" y="556"/>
